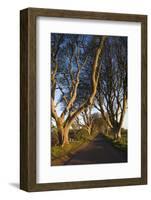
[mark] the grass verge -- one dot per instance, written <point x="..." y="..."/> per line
<point x="59" y="155"/>
<point x="121" y="145"/>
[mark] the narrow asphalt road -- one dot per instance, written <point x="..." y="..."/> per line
<point x="98" y="151"/>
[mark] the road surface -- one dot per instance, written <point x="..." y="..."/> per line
<point x="98" y="151"/>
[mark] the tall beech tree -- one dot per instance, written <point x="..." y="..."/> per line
<point x="70" y="54"/>
<point x="111" y="97"/>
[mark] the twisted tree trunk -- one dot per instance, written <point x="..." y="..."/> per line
<point x="63" y="132"/>
<point x="90" y="129"/>
<point x="65" y="136"/>
<point x="63" y="124"/>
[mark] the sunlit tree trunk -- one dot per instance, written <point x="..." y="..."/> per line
<point x="117" y="133"/>
<point x="60" y="131"/>
<point x="89" y="129"/>
<point x="65" y="136"/>
<point x="63" y="132"/>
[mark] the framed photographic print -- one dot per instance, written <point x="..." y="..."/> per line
<point x="83" y="99"/>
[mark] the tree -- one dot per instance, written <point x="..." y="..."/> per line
<point x="85" y="119"/>
<point x="70" y="54"/>
<point x="111" y="97"/>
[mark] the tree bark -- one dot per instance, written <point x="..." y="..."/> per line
<point x="89" y="129"/>
<point x="60" y="131"/>
<point x="117" y="133"/>
<point x="107" y="130"/>
<point x="63" y="132"/>
<point x="65" y="136"/>
<point x="60" y="136"/>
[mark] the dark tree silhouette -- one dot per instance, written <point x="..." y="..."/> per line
<point x="111" y="97"/>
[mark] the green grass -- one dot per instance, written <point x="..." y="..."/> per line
<point x="58" y="151"/>
<point x="122" y="144"/>
<point x="61" y="154"/>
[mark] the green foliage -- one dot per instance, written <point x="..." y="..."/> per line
<point x="122" y="143"/>
<point x="81" y="135"/>
<point x="60" y="154"/>
<point x="74" y="135"/>
<point x="54" y="136"/>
